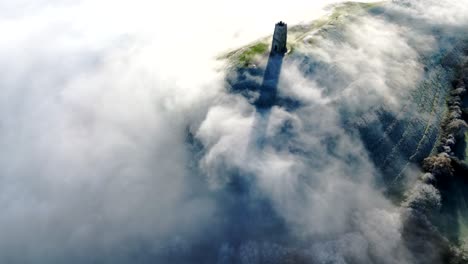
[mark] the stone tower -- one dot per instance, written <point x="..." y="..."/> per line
<point x="279" y="38"/>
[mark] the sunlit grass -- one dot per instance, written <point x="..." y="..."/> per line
<point x="246" y="56"/>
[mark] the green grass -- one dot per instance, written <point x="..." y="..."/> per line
<point x="244" y="57"/>
<point x="466" y="150"/>
<point x="248" y="55"/>
<point x="337" y="18"/>
<point x="463" y="226"/>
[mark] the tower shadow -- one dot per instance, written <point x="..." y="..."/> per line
<point x="268" y="95"/>
<point x="269" y="88"/>
<point x="255" y="215"/>
<point x="252" y="212"/>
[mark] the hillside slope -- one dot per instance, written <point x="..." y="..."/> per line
<point x="386" y="76"/>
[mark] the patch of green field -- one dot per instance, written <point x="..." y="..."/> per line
<point x="466" y="150"/>
<point x="463" y="227"/>
<point x="247" y="56"/>
<point x="337" y="18"/>
<point x="243" y="57"/>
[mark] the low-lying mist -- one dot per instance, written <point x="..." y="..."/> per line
<point x="122" y="143"/>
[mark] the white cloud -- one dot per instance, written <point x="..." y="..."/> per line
<point x="97" y="97"/>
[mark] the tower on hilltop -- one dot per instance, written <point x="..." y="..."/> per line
<point x="279" y="38"/>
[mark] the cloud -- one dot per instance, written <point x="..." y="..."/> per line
<point x="97" y="99"/>
<point x="317" y="173"/>
<point x="94" y="160"/>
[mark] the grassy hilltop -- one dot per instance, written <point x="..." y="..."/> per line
<point x="398" y="137"/>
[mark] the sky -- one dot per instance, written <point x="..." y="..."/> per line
<point x="198" y="30"/>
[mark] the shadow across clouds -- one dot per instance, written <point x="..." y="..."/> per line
<point x="269" y="88"/>
<point x="267" y="99"/>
